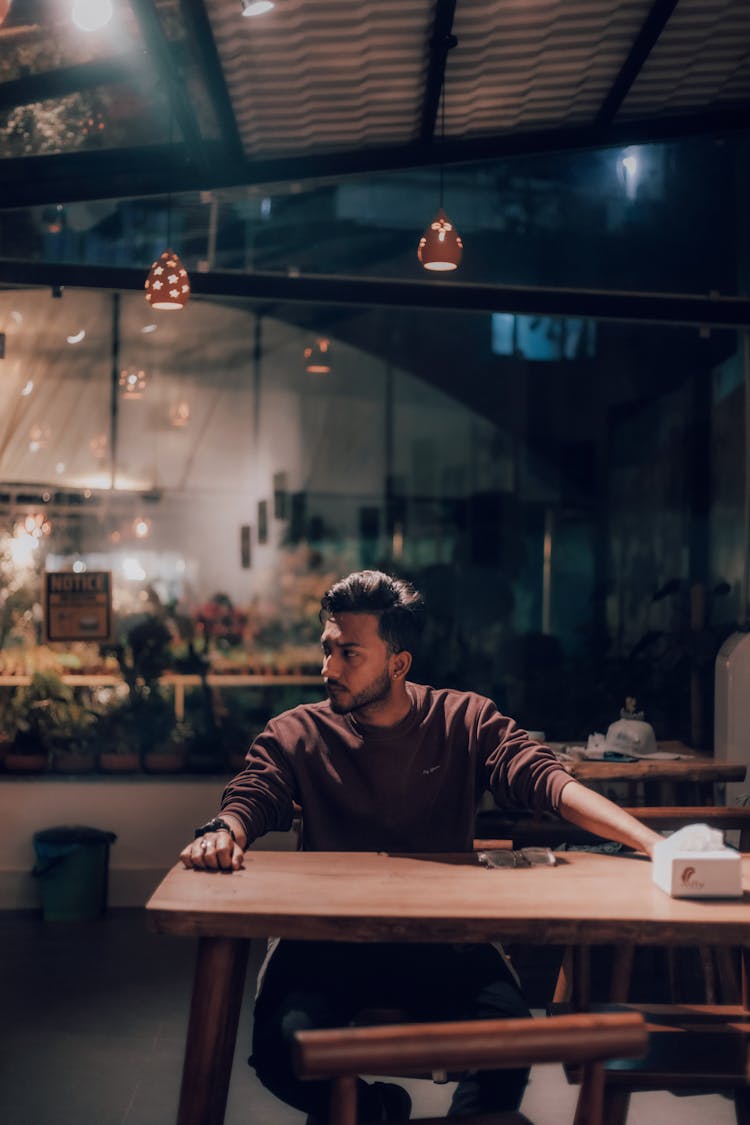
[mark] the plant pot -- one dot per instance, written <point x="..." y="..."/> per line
<point x="72" y="761"/>
<point x="113" y="761"/>
<point x="26" y="763"/>
<point x="203" y="763"/>
<point x="164" y="761"/>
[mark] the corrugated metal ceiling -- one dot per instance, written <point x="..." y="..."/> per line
<point x="341" y="74"/>
<point x="325" y="75"/>
<point x="337" y="87"/>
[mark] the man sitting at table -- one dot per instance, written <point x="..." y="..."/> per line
<point x="385" y="764"/>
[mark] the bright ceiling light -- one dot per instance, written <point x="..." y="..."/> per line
<point x="77" y="337"/>
<point x="92" y="15"/>
<point x="256" y="7"/>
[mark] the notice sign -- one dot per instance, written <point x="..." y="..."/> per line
<point x="79" y="606"/>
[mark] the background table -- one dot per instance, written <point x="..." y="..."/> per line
<point x="363" y="896"/>
<point x="688" y="780"/>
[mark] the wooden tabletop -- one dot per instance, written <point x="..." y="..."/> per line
<point x="691" y="765"/>
<point x="364" y="896"/>
<point x="683" y="769"/>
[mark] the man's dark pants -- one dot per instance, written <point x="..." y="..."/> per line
<point x="326" y="984"/>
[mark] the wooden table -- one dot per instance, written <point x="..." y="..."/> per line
<point x="683" y="781"/>
<point x="343" y="896"/>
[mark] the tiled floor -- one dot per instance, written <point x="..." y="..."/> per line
<point x="92" y="1032"/>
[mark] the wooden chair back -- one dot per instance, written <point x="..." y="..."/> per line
<point x="584" y="1039"/>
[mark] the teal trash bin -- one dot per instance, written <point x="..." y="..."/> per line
<point x="72" y="865"/>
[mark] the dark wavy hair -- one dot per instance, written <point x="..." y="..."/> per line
<point x="397" y="605"/>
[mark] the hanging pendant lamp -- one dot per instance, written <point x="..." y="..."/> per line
<point x="317" y="357"/>
<point x="167" y="284"/>
<point x="440" y="247"/>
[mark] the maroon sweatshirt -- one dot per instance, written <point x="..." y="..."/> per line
<point x="412" y="787"/>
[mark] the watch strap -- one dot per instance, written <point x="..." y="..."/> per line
<point x="218" y="824"/>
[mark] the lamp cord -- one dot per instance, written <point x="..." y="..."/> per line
<point x="169" y="193"/>
<point x="442" y="140"/>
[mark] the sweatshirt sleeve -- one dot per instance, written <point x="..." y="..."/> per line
<point x="518" y="771"/>
<point x="262" y="794"/>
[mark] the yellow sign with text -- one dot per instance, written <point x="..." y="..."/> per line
<point x="78" y="606"/>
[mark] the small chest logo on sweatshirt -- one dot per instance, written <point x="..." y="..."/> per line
<point x="431" y="769"/>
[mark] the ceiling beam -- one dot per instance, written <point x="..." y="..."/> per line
<point x="204" y="46"/>
<point x="644" y="43"/>
<point x="157" y="170"/>
<point x="160" y="50"/>
<point x="686" y="309"/>
<point x="441" y="42"/>
<point x="66" y="80"/>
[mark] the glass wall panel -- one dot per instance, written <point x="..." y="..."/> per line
<point x="574" y="514"/>
<point x="663" y="218"/>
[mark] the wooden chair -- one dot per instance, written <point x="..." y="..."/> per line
<point x="583" y="1039"/>
<point x="692" y="1049"/>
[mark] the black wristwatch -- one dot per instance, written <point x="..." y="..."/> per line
<point x="215" y="825"/>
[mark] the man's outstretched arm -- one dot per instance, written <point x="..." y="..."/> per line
<point x="597" y="814"/>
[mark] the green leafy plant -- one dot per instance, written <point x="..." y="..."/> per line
<point x="48" y="718"/>
<point x="145" y="718"/>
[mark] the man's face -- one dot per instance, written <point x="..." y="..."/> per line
<point x="356" y="662"/>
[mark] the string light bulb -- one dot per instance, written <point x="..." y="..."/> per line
<point x="36" y="525"/>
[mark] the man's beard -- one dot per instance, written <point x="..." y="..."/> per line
<point x="376" y="691"/>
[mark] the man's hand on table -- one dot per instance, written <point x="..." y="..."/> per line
<point x="216" y="851"/>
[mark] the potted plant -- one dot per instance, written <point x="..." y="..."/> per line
<point x="7" y="725"/>
<point x="143" y="722"/>
<point x="168" y="753"/>
<point x="244" y="716"/>
<point x="119" y="746"/>
<point x="41" y="710"/>
<point x="74" y="741"/>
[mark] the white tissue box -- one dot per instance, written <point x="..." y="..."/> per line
<point x="693" y="874"/>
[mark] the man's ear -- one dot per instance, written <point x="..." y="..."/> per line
<point x="400" y="664"/>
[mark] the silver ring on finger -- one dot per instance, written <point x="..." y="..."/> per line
<point x="204" y="845"/>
